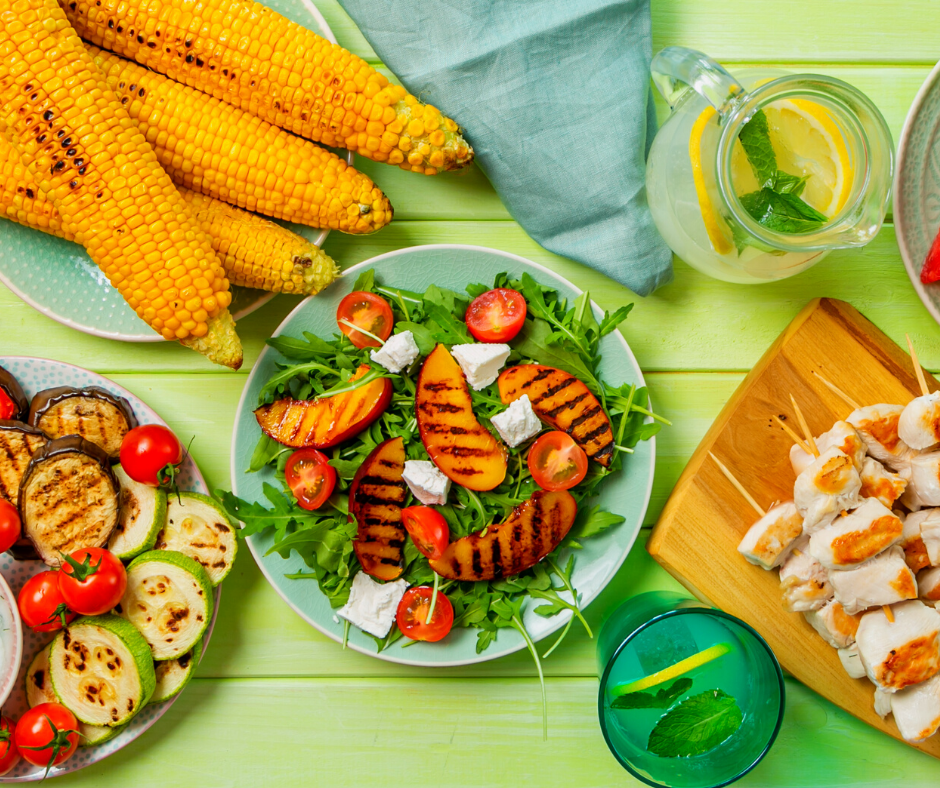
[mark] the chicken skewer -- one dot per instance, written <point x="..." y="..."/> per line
<point x="919" y="424"/>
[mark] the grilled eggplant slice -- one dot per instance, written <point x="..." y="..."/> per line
<point x="69" y="498"/>
<point x="532" y="530"/>
<point x="456" y="442"/>
<point x="563" y="402"/>
<point x="13" y="403"/>
<point x="18" y="443"/>
<point x="197" y="526"/>
<point x="376" y="496"/>
<point x="95" y="414"/>
<point x="321" y="423"/>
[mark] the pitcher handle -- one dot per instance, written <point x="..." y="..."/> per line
<point x="676" y="70"/>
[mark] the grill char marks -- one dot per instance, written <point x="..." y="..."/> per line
<point x="95" y="414"/>
<point x="532" y="530"/>
<point x="565" y="403"/>
<point x="456" y="442"/>
<point x="376" y="496"/>
<point x="18" y="443"/>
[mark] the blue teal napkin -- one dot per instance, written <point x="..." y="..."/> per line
<point x="554" y="97"/>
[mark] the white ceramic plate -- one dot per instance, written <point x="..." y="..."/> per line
<point x="454" y="267"/>
<point x="34" y="375"/>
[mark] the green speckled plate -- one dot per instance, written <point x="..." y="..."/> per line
<point x="451" y="266"/>
<point x="58" y="279"/>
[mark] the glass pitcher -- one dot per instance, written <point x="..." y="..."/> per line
<point x="814" y="175"/>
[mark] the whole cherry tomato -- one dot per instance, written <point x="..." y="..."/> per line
<point x="428" y="530"/>
<point x="41" y="604"/>
<point x="368" y="312"/>
<point x="10" y="526"/>
<point x="496" y="315"/>
<point x="310" y="477"/>
<point x="412" y="614"/>
<point x="9" y="753"/>
<point x="47" y="734"/>
<point x="92" y="581"/>
<point x="556" y="462"/>
<point x="151" y="454"/>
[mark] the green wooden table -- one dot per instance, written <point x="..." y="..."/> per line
<point x="276" y="703"/>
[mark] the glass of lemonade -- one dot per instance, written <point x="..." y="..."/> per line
<point x="757" y="176"/>
<point x="690" y="697"/>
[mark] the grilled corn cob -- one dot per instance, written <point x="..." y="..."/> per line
<point x="254" y="251"/>
<point x="105" y="182"/>
<point x="229" y="154"/>
<point x="252" y="57"/>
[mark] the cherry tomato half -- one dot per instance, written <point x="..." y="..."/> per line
<point x="151" y="454"/>
<point x="92" y="581"/>
<point x="367" y="311"/>
<point x="496" y="315"/>
<point x="310" y="477"/>
<point x="413" y="613"/>
<point x="41" y="604"/>
<point x="10" y="526"/>
<point x="556" y="462"/>
<point x="428" y="530"/>
<point x="9" y="753"/>
<point x="8" y="408"/>
<point x="47" y="734"/>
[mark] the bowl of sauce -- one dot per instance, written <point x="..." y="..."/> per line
<point x="11" y="640"/>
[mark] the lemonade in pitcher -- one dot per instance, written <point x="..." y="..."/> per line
<point x="758" y="179"/>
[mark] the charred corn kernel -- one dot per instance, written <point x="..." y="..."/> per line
<point x="186" y="127"/>
<point x="249" y="56"/>
<point x="97" y="170"/>
<point x="254" y="252"/>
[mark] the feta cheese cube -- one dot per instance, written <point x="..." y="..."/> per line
<point x="426" y="482"/>
<point x="481" y="362"/>
<point x="518" y="422"/>
<point x="372" y="606"/>
<point x="398" y="352"/>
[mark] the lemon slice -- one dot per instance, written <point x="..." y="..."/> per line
<point x="808" y="142"/>
<point x="718" y="232"/>
<point x="674" y="671"/>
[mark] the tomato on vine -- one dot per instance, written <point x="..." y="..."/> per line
<point x="151" y="454"/>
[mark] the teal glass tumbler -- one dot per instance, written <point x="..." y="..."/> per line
<point x="653" y="632"/>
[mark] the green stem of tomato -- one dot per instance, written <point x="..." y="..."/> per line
<point x="354" y="327"/>
<point x="437" y="583"/>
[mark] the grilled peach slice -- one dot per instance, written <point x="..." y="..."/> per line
<point x="532" y="530"/>
<point x="321" y="423"/>
<point x="455" y="441"/>
<point x="565" y="403"/>
<point x="376" y="496"/>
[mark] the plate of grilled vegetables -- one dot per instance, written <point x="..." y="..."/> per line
<point x="171" y="155"/>
<point x="75" y="450"/>
<point x="441" y="474"/>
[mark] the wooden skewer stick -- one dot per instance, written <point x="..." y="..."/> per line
<point x="793" y="436"/>
<point x="737" y="485"/>
<point x="889" y="613"/>
<point x="838" y="392"/>
<point x="814" y="450"/>
<point x="918" y="370"/>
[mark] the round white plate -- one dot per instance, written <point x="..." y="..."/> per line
<point x="34" y="375"/>
<point x="454" y="267"/>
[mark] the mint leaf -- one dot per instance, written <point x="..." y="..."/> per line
<point x="783" y="213"/>
<point x="696" y="726"/>
<point x="755" y="139"/>
<point x="647" y="700"/>
<point x="784" y="183"/>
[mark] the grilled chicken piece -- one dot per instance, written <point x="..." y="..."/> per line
<point x="878" y="427"/>
<point x="842" y="436"/>
<point x="899" y="653"/>
<point x="916" y="710"/>
<point x="326" y="421"/>
<point x="18" y="443"/>
<point x="532" y="530"/>
<point x="95" y="414"/>
<point x="882" y="702"/>
<point x="804" y="581"/>
<point x="851" y="661"/>
<point x="919" y="424"/>
<point x="924" y="478"/>
<point x="930" y="534"/>
<point x="883" y="580"/>
<point x="464" y="450"/>
<point x="833" y="624"/>
<point x="856" y="537"/>
<point x="376" y="496"/>
<point x="69" y="498"/>
<point x="928" y="584"/>
<point x="563" y="402"/>
<point x="878" y="482"/>
<point x="828" y="486"/>
<point x="769" y="541"/>
<point x="912" y="542"/>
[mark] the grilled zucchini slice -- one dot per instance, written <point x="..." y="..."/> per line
<point x="18" y="406"/>
<point x="197" y="526"/>
<point x="169" y="599"/>
<point x="142" y="517"/>
<point x="18" y="443"/>
<point x="101" y="670"/>
<point x="95" y="414"/>
<point x="174" y="674"/>
<point x="69" y="498"/>
<point x="39" y="690"/>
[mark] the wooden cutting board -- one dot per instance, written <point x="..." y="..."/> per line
<point x="697" y="536"/>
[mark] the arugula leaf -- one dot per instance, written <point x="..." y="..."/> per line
<point x="647" y="700"/>
<point x="696" y="726"/>
<point x="365" y="281"/>
<point x="424" y="336"/>
<point x="534" y="342"/>
<point x="266" y="451"/>
<point x="591" y="521"/>
<point x="610" y="322"/>
<point x="755" y="139"/>
<point x="307" y="349"/>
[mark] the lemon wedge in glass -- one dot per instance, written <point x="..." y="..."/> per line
<point x="674" y="671"/>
